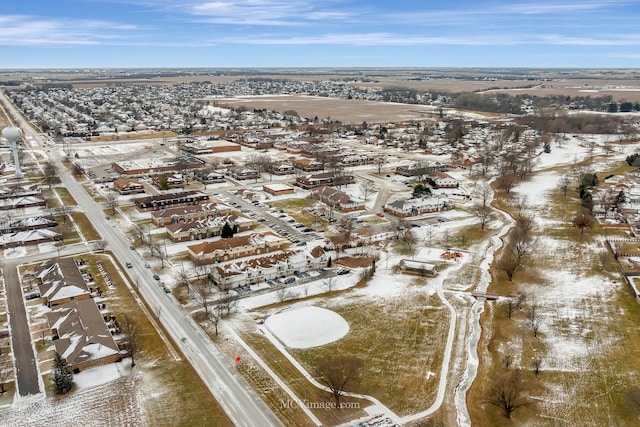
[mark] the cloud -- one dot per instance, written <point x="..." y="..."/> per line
<point x="267" y="12"/>
<point x="25" y="30"/>
<point x="389" y="39"/>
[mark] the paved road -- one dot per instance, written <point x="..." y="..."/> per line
<point x="241" y="403"/>
<point x="27" y="375"/>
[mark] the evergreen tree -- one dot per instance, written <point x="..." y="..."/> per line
<point x="227" y="231"/>
<point x="62" y="376"/>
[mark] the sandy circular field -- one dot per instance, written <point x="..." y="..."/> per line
<point x="307" y="327"/>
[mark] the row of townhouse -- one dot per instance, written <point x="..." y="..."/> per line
<point x="20" y="202"/>
<point x="414" y="207"/>
<point x="29" y="237"/>
<point x="15" y="191"/>
<point x="164" y="201"/>
<point x="26" y="224"/>
<point x="182" y="214"/>
<point x="235" y="247"/>
<point x="309" y="182"/>
<point x="269" y="267"/>
<point x="80" y="334"/>
<point x="206" y="228"/>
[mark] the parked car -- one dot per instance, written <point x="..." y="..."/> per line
<point x="343" y="271"/>
<point x="147" y="265"/>
<point x="155" y="276"/>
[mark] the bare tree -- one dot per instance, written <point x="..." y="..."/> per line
<point x="64" y="211"/>
<point x="329" y="283"/>
<point x="533" y="317"/>
<point x="563" y="183"/>
<point x="111" y="201"/>
<point x="50" y="171"/>
<point x="507" y="393"/>
<point x="367" y="187"/>
<point x="582" y="221"/>
<point x="202" y="293"/>
<point x="336" y="371"/>
<point x="512" y="304"/>
<point x="483" y="212"/>
<point x="101" y="245"/>
<point x="536" y="365"/>
<point x="509" y="262"/>
<point x="182" y="278"/>
<point x="228" y="303"/>
<point x="408" y="237"/>
<point x="138" y="233"/>
<point x="132" y="336"/>
<point x="284" y="294"/>
<point x="507" y="360"/>
<point x="214" y="316"/>
<point x="159" y="252"/>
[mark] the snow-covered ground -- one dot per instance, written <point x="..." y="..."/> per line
<point x="307" y="327"/>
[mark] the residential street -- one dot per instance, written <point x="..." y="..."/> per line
<point x="243" y="406"/>
<point x="27" y="375"/>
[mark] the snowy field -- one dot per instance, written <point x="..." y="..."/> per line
<point x="307" y="327"/>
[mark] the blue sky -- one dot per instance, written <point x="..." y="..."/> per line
<point x="319" y="33"/>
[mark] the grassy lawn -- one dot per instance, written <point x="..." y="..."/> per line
<point x="85" y="226"/>
<point x="301" y="387"/>
<point x="589" y="339"/>
<point x="180" y="398"/>
<point x="65" y="196"/>
<point x="398" y="340"/>
<point x="292" y="204"/>
<point x="394" y="339"/>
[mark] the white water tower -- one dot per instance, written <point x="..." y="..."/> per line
<point x="13" y="134"/>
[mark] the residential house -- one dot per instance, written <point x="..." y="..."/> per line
<point x="81" y="336"/>
<point x="161" y="218"/>
<point x="20" y="202"/>
<point x="422" y="168"/>
<point x="164" y="201"/>
<point x="128" y="186"/>
<point x="419" y="206"/>
<point x="25" y="224"/>
<point x="243" y="173"/>
<point x="337" y="199"/>
<point x="307" y="165"/>
<point x="267" y="267"/>
<point x="309" y="182"/>
<point x="278" y="189"/>
<point x="15" y="191"/>
<point x="444" y="180"/>
<point x="235" y="247"/>
<point x="29" y="237"/>
<point x="167" y="181"/>
<point x="205" y="228"/>
<point x="61" y="282"/>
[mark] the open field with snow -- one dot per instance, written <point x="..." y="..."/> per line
<point x="588" y="340"/>
<point x="345" y="110"/>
